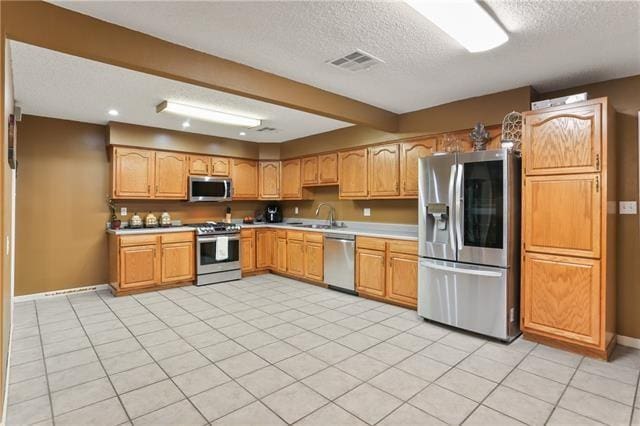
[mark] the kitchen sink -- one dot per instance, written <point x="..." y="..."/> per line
<point x="318" y="226"/>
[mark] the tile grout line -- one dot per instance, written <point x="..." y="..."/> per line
<point x="44" y="363"/>
<point x="636" y="400"/>
<point x="557" y="404"/>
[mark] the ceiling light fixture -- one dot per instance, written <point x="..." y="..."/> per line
<point x="207" y="114"/>
<point x="186" y="124"/>
<point x="465" y="21"/>
<point x="113" y="112"/>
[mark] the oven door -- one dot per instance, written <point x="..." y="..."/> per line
<point x="203" y="188"/>
<point x="483" y="207"/>
<point x="206" y="255"/>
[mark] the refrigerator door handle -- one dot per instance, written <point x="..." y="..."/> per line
<point x="452" y="178"/>
<point x="460" y="270"/>
<point x="458" y="202"/>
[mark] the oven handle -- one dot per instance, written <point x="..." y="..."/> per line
<point x="212" y="239"/>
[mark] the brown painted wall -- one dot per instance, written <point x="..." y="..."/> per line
<point x="63" y="183"/>
<point x="624" y="95"/>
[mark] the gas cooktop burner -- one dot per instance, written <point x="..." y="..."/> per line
<point x="213" y="228"/>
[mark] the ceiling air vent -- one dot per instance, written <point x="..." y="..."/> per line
<point x="356" y="61"/>
<point x="266" y="129"/>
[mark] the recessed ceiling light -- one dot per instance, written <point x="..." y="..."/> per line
<point x="186" y="124"/>
<point x="113" y="112"/>
<point x="243" y="133"/>
<point x="465" y="21"/>
<point x="207" y="114"/>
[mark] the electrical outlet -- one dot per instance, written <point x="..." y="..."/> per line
<point x="295" y="210"/>
<point x="366" y="211"/>
<point x="628" y="207"/>
<point x="123" y="211"/>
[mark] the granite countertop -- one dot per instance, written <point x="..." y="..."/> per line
<point x="129" y="231"/>
<point x="370" y="229"/>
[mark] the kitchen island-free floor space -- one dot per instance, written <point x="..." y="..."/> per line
<point x="271" y="350"/>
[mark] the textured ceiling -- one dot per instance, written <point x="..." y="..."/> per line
<point x="53" y="84"/>
<point x="553" y="44"/>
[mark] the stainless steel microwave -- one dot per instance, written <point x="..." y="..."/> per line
<point x="204" y="188"/>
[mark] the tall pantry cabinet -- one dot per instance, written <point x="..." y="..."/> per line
<point x="569" y="226"/>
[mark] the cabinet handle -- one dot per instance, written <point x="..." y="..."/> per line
<point x="597" y="161"/>
<point x="149" y="188"/>
<point x="597" y="184"/>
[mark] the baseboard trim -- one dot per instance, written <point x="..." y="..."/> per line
<point x="631" y="342"/>
<point x="66" y="292"/>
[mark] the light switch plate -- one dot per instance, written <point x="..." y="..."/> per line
<point x="366" y="211"/>
<point x="628" y="207"/>
<point x="295" y="210"/>
<point x="123" y="211"/>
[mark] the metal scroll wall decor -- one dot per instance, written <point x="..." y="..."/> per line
<point x="480" y="137"/>
<point x="512" y="132"/>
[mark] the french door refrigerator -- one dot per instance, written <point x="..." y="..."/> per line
<point x="469" y="241"/>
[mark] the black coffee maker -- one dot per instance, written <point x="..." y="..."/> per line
<point x="273" y="213"/>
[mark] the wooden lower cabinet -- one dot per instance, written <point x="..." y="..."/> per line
<point x="281" y="257"/>
<point x="295" y="256"/>
<point x="387" y="269"/>
<point x="266" y="250"/>
<point x="314" y="256"/>
<point x="150" y="261"/>
<point x="562" y="297"/>
<point x="247" y="250"/>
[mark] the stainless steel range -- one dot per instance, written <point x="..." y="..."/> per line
<point x="217" y="252"/>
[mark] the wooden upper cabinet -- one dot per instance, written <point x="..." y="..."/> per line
<point x="245" y="179"/>
<point x="402" y="278"/>
<point x="310" y="170"/>
<point x="564" y="140"/>
<point x="411" y="153"/>
<point x="139" y="266"/>
<point x="219" y="166"/>
<point x="170" y="175"/>
<point x="199" y="165"/>
<point x="177" y="262"/>
<point x="269" y="179"/>
<point x="384" y="171"/>
<point x="562" y="297"/>
<point x="328" y="168"/>
<point x="563" y="214"/>
<point x="353" y="174"/>
<point x="370" y="272"/>
<point x="133" y="173"/>
<point x="291" y="179"/>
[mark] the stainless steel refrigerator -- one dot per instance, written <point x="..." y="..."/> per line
<point x="469" y="241"/>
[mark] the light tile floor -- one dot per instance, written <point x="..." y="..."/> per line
<point x="270" y="350"/>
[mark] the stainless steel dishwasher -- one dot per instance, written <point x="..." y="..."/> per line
<point x="339" y="254"/>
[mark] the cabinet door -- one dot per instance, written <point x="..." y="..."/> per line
<point x="314" y="261"/>
<point x="384" y="171"/>
<point x="562" y="214"/>
<point x="561" y="297"/>
<point x="139" y="266"/>
<point x="171" y="175"/>
<point x="353" y="174"/>
<point x="177" y="262"/>
<point x="291" y="183"/>
<point x="264" y="248"/>
<point x="411" y="153"/>
<point x="566" y="140"/>
<point x="219" y="166"/>
<point x="295" y="257"/>
<point x="282" y="255"/>
<point x="133" y="173"/>
<point x="402" y="278"/>
<point x="269" y="180"/>
<point x="370" y="272"/>
<point x="328" y="168"/>
<point x="245" y="179"/>
<point x="310" y="171"/>
<point x="199" y="165"/>
<point x="247" y="252"/>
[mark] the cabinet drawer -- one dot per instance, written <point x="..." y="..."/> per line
<point x="246" y="233"/>
<point x="177" y="237"/>
<point x="295" y="235"/>
<point x="313" y="237"/>
<point x="281" y="234"/>
<point x="370" y="243"/>
<point x="400" y="246"/>
<point x="138" y="240"/>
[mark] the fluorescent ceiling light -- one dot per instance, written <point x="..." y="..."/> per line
<point x="463" y="20"/>
<point x="243" y="133"/>
<point x="113" y="112"/>
<point x="207" y="114"/>
<point x="186" y="124"/>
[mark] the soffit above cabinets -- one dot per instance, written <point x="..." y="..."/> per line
<point x="552" y="44"/>
<point x="53" y="84"/>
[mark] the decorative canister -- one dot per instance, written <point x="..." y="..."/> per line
<point x="165" y="219"/>
<point x="135" y="221"/>
<point x="150" y="221"/>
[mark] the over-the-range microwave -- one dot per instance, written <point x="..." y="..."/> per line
<point x="204" y="188"/>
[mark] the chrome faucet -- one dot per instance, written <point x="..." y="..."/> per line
<point x="332" y="213"/>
